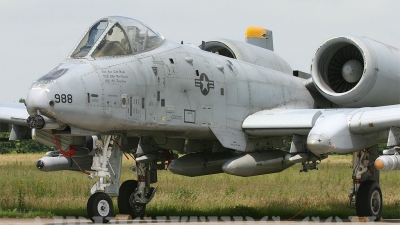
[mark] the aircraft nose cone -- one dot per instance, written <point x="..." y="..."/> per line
<point x="37" y="99"/>
<point x="318" y="144"/>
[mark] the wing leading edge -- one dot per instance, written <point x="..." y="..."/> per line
<point x="15" y="114"/>
<point x="328" y="130"/>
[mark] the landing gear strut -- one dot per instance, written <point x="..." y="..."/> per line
<point x="135" y="195"/>
<point x="366" y="195"/>
<point x="100" y="207"/>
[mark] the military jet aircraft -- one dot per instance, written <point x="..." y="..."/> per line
<point x="125" y="89"/>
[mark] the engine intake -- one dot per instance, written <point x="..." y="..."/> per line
<point x="248" y="53"/>
<point x="355" y="71"/>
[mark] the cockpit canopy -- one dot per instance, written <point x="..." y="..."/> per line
<point x="117" y="36"/>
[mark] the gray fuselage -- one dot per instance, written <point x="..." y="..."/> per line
<point x="174" y="90"/>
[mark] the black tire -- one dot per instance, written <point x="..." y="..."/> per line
<point x="369" y="200"/>
<point x="100" y="208"/>
<point x="125" y="191"/>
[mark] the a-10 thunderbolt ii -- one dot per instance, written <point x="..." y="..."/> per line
<point x="126" y="89"/>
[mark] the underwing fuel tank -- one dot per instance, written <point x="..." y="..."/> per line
<point x="200" y="163"/>
<point x="387" y="162"/>
<point x="258" y="163"/>
<point x="48" y="164"/>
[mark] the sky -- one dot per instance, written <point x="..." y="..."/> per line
<point x="36" y="36"/>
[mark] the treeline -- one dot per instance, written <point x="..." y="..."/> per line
<point x="20" y="146"/>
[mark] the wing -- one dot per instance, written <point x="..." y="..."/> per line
<point x="328" y="130"/>
<point x="15" y="114"/>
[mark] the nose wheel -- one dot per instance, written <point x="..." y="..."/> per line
<point x="126" y="201"/>
<point x="100" y="208"/>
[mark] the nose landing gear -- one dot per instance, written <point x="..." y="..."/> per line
<point x="100" y="208"/>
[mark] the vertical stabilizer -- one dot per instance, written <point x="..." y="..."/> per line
<point x="260" y="37"/>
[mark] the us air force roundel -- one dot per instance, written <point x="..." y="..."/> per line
<point x="204" y="83"/>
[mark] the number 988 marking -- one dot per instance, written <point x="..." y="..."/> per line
<point x="63" y="98"/>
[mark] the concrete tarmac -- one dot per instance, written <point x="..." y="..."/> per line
<point x="197" y="220"/>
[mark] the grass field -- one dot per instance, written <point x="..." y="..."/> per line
<point x="28" y="192"/>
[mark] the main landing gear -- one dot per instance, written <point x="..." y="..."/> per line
<point x="366" y="195"/>
<point x="135" y="195"/>
<point x="126" y="200"/>
<point x="369" y="199"/>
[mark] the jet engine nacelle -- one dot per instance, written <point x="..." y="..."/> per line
<point x="248" y="53"/>
<point x="354" y="71"/>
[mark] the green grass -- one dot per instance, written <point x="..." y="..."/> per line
<point x="28" y="192"/>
